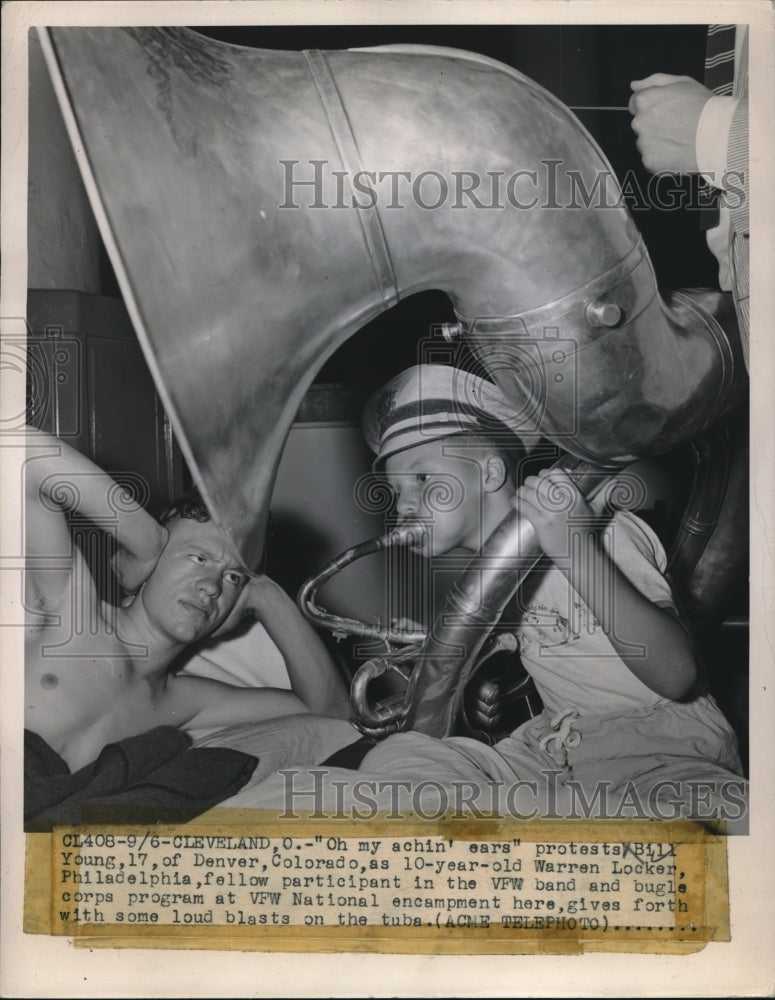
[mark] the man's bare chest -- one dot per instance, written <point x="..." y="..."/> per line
<point x="79" y="703"/>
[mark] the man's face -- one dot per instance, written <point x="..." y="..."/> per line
<point x="195" y="583"/>
<point x="439" y="485"/>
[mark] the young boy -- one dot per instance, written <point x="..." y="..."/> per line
<point x="625" y="709"/>
<point x="94" y="673"/>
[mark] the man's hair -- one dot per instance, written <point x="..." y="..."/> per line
<point x="189" y="505"/>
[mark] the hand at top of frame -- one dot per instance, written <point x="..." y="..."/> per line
<point x="666" y="110"/>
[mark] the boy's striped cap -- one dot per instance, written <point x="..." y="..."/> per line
<point x="427" y="402"/>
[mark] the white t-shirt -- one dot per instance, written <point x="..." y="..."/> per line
<point x="563" y="646"/>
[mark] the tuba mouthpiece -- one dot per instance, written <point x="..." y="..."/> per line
<point x="407" y="534"/>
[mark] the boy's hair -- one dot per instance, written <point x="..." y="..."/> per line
<point x="510" y="454"/>
<point x="189" y="505"/>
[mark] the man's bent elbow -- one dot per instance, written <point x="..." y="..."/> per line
<point x="338" y="705"/>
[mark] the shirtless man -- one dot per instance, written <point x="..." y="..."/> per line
<point x="95" y="673"/>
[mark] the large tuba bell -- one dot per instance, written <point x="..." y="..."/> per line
<point x="211" y="169"/>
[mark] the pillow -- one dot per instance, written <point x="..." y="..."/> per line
<point x="246" y="657"/>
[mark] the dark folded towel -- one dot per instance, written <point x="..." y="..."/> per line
<point x="352" y="755"/>
<point x="151" y="778"/>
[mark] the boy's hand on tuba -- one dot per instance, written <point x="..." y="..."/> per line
<point x="406" y="625"/>
<point x="552" y="503"/>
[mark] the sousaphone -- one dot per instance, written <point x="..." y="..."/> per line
<point x="232" y="187"/>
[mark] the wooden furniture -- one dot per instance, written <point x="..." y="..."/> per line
<point x="88" y="383"/>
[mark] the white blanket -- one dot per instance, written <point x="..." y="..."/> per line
<point x="301" y="740"/>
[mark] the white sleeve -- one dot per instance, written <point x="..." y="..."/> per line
<point x="639" y="554"/>
<point x="712" y="140"/>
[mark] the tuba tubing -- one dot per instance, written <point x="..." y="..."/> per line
<point x="339" y="626"/>
<point x="376" y="721"/>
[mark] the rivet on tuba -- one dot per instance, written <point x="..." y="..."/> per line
<point x="604" y="314"/>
